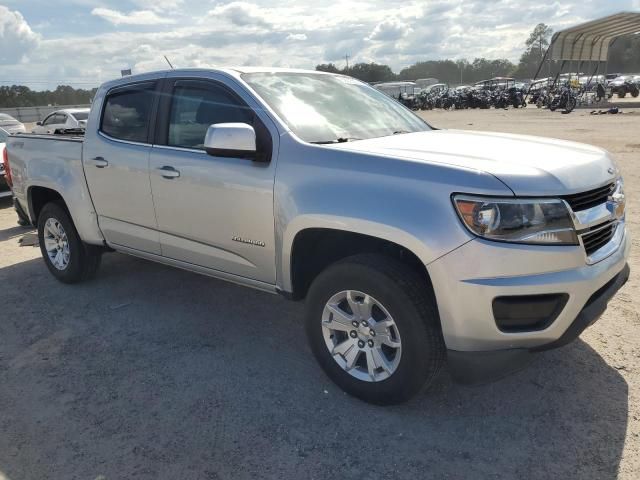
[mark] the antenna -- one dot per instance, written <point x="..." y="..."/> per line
<point x="165" y="57"/>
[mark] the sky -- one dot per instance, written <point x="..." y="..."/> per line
<point x="82" y="43"/>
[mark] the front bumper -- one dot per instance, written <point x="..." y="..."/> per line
<point x="467" y="280"/>
<point x="479" y="367"/>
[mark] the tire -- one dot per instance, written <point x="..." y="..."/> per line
<point x="622" y="93"/>
<point x="571" y="104"/>
<point x="406" y="298"/>
<point x="82" y="260"/>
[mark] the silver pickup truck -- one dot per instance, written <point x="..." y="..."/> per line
<point x="411" y="245"/>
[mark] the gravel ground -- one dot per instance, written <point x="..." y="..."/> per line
<point x="150" y="372"/>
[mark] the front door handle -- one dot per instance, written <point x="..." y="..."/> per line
<point x="168" y="172"/>
<point x="99" y="162"/>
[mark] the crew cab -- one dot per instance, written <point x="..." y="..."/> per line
<point x="411" y="245"/>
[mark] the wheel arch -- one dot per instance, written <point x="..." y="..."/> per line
<point x="77" y="204"/>
<point x="38" y="196"/>
<point x="310" y="249"/>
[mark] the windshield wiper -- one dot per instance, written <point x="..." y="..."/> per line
<point x="398" y="132"/>
<point x="337" y="140"/>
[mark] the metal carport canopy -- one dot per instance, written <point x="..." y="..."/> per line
<point x="590" y="41"/>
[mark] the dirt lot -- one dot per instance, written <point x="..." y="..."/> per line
<point x="150" y="372"/>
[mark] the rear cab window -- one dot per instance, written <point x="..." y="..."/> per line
<point x="127" y="111"/>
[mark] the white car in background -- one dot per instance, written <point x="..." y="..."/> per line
<point x="10" y="124"/>
<point x="4" y="188"/>
<point x="63" y="120"/>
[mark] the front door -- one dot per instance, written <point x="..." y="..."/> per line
<point x="116" y="163"/>
<point x="214" y="212"/>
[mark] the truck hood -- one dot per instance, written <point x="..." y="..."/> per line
<point x="527" y="165"/>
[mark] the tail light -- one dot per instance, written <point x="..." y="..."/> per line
<point x="7" y="168"/>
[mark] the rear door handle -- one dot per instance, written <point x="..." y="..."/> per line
<point x="168" y="172"/>
<point x="99" y="162"/>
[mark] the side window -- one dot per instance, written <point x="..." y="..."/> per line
<point x="50" y="120"/>
<point x="195" y="108"/>
<point x="61" y="118"/>
<point x="126" y="113"/>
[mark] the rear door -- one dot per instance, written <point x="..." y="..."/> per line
<point x="214" y="212"/>
<point x="116" y="163"/>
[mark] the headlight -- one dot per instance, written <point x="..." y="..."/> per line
<point x="538" y="221"/>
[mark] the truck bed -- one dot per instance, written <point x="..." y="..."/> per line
<point x="52" y="162"/>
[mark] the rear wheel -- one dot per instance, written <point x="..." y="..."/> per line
<point x="66" y="256"/>
<point x="373" y="327"/>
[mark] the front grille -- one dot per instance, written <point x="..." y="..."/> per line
<point x="598" y="237"/>
<point x="585" y="200"/>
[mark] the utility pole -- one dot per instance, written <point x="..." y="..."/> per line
<point x="346" y="58"/>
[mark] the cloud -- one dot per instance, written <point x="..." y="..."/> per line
<point x="240" y="13"/>
<point x="160" y="5"/>
<point x="16" y="37"/>
<point x="389" y="31"/>
<point x="136" y="17"/>
<point x="297" y="36"/>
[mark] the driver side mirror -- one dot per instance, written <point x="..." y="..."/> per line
<point x="39" y="123"/>
<point x="236" y="140"/>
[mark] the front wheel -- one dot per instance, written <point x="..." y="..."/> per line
<point x="571" y="104"/>
<point x="374" y="328"/>
<point x="66" y="256"/>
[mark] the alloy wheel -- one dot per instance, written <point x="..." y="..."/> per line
<point x="361" y="336"/>
<point x="56" y="243"/>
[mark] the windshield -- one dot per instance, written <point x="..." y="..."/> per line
<point x="332" y="108"/>
<point x="80" y="115"/>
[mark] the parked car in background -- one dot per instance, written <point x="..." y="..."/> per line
<point x="411" y="245"/>
<point x="10" y="124"/>
<point x="396" y="89"/>
<point x="623" y="85"/>
<point x="436" y="88"/>
<point x="63" y="120"/>
<point x="4" y="187"/>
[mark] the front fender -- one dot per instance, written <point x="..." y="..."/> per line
<point x="347" y="224"/>
<point x="402" y="201"/>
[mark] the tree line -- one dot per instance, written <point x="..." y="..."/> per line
<point x="21" y="96"/>
<point x="624" y="56"/>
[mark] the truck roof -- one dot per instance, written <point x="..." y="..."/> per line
<point x="233" y="71"/>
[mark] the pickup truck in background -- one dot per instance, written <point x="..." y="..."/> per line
<point x="411" y="245"/>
